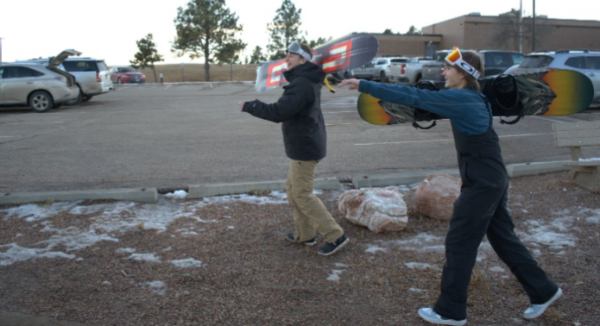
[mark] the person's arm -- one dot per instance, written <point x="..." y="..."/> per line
<point x="295" y="97"/>
<point x="450" y="103"/>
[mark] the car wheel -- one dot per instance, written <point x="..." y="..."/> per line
<point x="119" y="81"/>
<point x="76" y="100"/>
<point x="347" y="75"/>
<point x="87" y="98"/>
<point x="40" y="101"/>
<point x="382" y="77"/>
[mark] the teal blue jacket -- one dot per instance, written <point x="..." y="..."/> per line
<point x="465" y="108"/>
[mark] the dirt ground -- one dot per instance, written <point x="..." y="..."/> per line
<point x="250" y="275"/>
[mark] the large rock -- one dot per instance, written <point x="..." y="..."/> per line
<point x="378" y="209"/>
<point x="436" y="195"/>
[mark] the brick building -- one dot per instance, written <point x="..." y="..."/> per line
<point x="501" y="32"/>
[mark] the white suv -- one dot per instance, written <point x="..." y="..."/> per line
<point x="91" y="76"/>
<point x="381" y="69"/>
<point x="584" y="61"/>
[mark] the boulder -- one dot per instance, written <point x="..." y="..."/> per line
<point x="436" y="195"/>
<point x="379" y="209"/>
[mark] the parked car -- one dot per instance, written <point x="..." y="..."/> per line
<point x="91" y="76"/>
<point x="364" y="72"/>
<point x="584" y="61"/>
<point x="40" y="87"/>
<point x="410" y="72"/>
<point x="381" y="68"/>
<point x="126" y="74"/>
<point x="494" y="62"/>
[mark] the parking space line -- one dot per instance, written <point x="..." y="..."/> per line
<point x="447" y="140"/>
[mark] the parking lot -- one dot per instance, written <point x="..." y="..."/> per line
<point x="175" y="135"/>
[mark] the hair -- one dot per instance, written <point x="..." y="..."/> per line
<point x="306" y="49"/>
<point x="474" y="60"/>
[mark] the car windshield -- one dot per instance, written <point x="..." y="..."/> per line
<point x="536" y="61"/>
<point x="127" y="69"/>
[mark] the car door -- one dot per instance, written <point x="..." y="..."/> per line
<point x="592" y="70"/>
<point x="18" y="82"/>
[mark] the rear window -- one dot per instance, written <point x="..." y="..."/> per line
<point x="102" y="66"/>
<point x="399" y="60"/>
<point x="73" y="66"/>
<point x="498" y="59"/>
<point x="540" y="61"/>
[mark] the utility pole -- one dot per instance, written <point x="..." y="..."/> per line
<point x="521" y="26"/>
<point x="533" y="29"/>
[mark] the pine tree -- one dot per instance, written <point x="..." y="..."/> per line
<point x="207" y="28"/>
<point x="147" y="55"/>
<point x="284" y="29"/>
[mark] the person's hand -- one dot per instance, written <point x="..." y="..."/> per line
<point x="241" y="104"/>
<point x="352" y="82"/>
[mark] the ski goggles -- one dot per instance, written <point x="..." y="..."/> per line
<point x="297" y="49"/>
<point x="456" y="59"/>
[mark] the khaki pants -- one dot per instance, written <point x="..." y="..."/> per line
<point x="310" y="214"/>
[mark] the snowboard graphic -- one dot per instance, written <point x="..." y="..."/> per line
<point x="556" y="92"/>
<point x="348" y="52"/>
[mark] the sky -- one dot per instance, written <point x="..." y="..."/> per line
<point x="109" y="29"/>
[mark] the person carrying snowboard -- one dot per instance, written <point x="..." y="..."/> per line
<point x="305" y="140"/>
<point x="482" y="207"/>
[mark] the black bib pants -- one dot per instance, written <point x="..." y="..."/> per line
<point x="482" y="209"/>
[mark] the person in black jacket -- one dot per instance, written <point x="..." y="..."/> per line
<point x="305" y="140"/>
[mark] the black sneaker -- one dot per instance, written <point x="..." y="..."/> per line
<point x="331" y="248"/>
<point x="312" y="242"/>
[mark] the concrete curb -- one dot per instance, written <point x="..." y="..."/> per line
<point x="384" y="180"/>
<point x="148" y="195"/>
<point x="198" y="191"/>
<point x="534" y="168"/>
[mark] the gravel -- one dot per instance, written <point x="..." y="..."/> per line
<point x="228" y="264"/>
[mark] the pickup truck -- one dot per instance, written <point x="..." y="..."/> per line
<point x="494" y="62"/>
<point x="409" y="72"/>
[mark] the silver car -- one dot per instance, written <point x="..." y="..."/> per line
<point x="91" y="76"/>
<point x="586" y="62"/>
<point x="40" y="87"/>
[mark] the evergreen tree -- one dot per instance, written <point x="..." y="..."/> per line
<point x="413" y="31"/>
<point x="207" y="28"/>
<point x="387" y="32"/>
<point x="257" y="55"/>
<point x="147" y="55"/>
<point x="284" y="29"/>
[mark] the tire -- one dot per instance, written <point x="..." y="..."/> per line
<point x="87" y="98"/>
<point x="347" y="75"/>
<point x="40" y="101"/>
<point x="119" y="81"/>
<point x="76" y="100"/>
<point x="383" y="77"/>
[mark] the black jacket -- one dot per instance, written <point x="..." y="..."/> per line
<point x="299" y="110"/>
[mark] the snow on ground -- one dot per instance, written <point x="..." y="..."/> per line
<point x="114" y="219"/>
